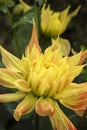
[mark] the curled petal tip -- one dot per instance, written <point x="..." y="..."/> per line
<point x="18" y="113"/>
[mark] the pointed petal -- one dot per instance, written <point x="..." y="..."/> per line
<point x="22" y="85"/>
<point x="74" y="97"/>
<point x="26" y="106"/>
<point x="8" y="77"/>
<point x="64" y="13"/>
<point x="10" y="61"/>
<point x="83" y="57"/>
<point x="74" y="60"/>
<point x="33" y="41"/>
<point x="59" y="120"/>
<point x="44" y="107"/>
<point x="12" y="97"/>
<point x="73" y="73"/>
<point x="75" y="12"/>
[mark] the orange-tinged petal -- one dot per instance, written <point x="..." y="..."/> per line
<point x="44" y="107"/>
<point x="24" y="107"/>
<point x="74" y="97"/>
<point x="12" y="97"/>
<point x="33" y="41"/>
<point x="59" y="120"/>
<point x="10" y="61"/>
<point x="83" y="57"/>
<point x="8" y="77"/>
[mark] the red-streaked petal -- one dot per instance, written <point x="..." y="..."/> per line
<point x="83" y="57"/>
<point x="44" y="107"/>
<point x="10" y="61"/>
<point x="8" y="77"/>
<point x="59" y="120"/>
<point x="74" y="97"/>
<point x="11" y="97"/>
<point x="26" y="106"/>
<point x="33" y="41"/>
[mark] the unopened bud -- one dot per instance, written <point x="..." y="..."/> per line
<point x="18" y="9"/>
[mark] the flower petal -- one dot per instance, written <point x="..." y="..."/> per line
<point x="12" y="97"/>
<point x="73" y="73"/>
<point x="74" y="60"/>
<point x="33" y="41"/>
<point x="44" y="107"/>
<point x="74" y="97"/>
<point x="22" y="85"/>
<point x="25" y="106"/>
<point x="83" y="57"/>
<point x="8" y="77"/>
<point x="10" y="61"/>
<point x="59" y="120"/>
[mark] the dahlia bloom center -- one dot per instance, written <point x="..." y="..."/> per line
<point x="46" y="74"/>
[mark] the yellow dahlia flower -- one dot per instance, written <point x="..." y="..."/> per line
<point x="42" y="79"/>
<point x="55" y="23"/>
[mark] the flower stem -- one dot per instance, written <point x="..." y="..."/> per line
<point x="15" y="34"/>
<point x="82" y="120"/>
<point x="36" y="122"/>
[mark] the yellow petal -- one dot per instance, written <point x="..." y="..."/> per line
<point x="74" y="60"/>
<point x="75" y="12"/>
<point x="64" y="13"/>
<point x="10" y="61"/>
<point x="8" y="77"/>
<point x="59" y="120"/>
<point x="22" y="85"/>
<point x="24" y="107"/>
<point x="74" y="97"/>
<point x="12" y="97"/>
<point x="44" y="107"/>
<point x="64" y="45"/>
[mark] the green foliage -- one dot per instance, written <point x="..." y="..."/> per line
<point x="5" y="5"/>
<point x="27" y="18"/>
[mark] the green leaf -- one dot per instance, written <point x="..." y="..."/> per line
<point x="5" y="5"/>
<point x="27" y="18"/>
<point x="3" y="9"/>
<point x="9" y="3"/>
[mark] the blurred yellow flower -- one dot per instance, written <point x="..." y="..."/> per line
<point x="55" y="23"/>
<point x="42" y="79"/>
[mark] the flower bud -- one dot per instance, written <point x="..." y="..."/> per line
<point x="18" y="10"/>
